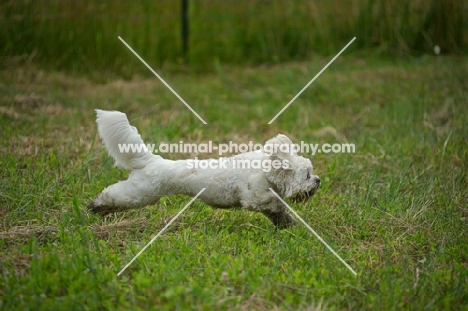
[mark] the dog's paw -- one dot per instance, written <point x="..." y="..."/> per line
<point x="99" y="209"/>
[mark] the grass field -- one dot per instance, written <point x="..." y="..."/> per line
<point x="82" y="35"/>
<point x="396" y="210"/>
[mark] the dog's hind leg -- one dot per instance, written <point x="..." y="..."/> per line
<point x="129" y="194"/>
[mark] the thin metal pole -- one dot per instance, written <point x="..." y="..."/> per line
<point x="185" y="28"/>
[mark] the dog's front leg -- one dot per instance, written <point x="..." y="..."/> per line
<point x="269" y="205"/>
<point x="281" y="219"/>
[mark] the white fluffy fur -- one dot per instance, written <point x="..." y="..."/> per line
<point x="153" y="177"/>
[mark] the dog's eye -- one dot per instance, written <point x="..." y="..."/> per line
<point x="308" y="175"/>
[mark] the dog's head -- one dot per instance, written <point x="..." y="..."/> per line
<point x="295" y="178"/>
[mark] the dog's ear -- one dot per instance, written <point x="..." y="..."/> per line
<point x="280" y="148"/>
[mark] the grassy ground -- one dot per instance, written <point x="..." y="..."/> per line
<point x="396" y="210"/>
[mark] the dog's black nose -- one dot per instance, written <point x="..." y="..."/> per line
<point x="317" y="180"/>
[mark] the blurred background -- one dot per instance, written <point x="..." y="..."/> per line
<point x="82" y="35"/>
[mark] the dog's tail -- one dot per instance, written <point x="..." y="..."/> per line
<point x="122" y="140"/>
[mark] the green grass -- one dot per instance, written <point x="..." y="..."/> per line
<point x="82" y="35"/>
<point x="396" y="210"/>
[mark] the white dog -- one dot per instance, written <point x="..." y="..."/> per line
<point x="233" y="183"/>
